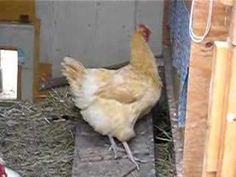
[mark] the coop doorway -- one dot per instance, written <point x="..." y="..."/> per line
<point x="8" y="74"/>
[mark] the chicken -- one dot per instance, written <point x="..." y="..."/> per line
<point x="6" y="172"/>
<point x="111" y="101"/>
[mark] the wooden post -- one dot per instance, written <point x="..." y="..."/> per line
<point x="217" y="100"/>
<point x="36" y="24"/>
<point x="233" y="25"/>
<point x="199" y="82"/>
<point x="229" y="153"/>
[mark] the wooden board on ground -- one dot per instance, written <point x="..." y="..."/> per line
<point x="92" y="156"/>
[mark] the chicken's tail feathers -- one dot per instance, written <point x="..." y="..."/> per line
<point x="74" y="72"/>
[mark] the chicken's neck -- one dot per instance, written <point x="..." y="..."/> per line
<point x="143" y="59"/>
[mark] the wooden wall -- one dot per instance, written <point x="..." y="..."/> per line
<point x="95" y="32"/>
<point x="199" y="83"/>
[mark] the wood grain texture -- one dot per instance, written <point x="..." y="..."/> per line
<point x="229" y="153"/>
<point x="216" y="112"/>
<point x="226" y="2"/>
<point x="199" y="82"/>
<point x="233" y="25"/>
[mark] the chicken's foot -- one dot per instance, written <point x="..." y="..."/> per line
<point x="130" y="155"/>
<point x="113" y="145"/>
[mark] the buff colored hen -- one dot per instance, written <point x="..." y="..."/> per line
<point x="111" y="101"/>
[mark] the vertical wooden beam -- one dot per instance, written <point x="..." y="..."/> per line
<point x="233" y="25"/>
<point x="199" y="82"/>
<point x="36" y="57"/>
<point x="217" y="107"/>
<point x="229" y="153"/>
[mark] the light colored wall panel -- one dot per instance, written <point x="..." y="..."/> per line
<point x="95" y="32"/>
<point x="151" y="14"/>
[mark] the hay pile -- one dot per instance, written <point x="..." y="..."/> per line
<point x="38" y="140"/>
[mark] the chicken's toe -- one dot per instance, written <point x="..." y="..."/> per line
<point x="130" y="155"/>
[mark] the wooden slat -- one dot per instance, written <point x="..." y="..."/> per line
<point x="229" y="154"/>
<point x="218" y="88"/>
<point x="11" y="10"/>
<point x="198" y="84"/>
<point x="227" y="2"/>
<point x="44" y="72"/>
<point x="233" y="25"/>
<point x="36" y="61"/>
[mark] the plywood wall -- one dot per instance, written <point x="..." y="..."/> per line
<point x="95" y="32"/>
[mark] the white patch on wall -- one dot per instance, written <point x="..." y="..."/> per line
<point x="9" y="74"/>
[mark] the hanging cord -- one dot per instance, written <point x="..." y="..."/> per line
<point x="196" y="38"/>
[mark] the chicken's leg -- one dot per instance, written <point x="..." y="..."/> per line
<point x="113" y="145"/>
<point x="129" y="153"/>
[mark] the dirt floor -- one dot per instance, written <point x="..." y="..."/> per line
<point x="38" y="140"/>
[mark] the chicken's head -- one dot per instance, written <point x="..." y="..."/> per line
<point x="145" y="31"/>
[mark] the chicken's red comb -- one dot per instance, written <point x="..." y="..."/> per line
<point x="144" y="27"/>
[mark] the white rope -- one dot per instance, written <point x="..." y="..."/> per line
<point x="197" y="38"/>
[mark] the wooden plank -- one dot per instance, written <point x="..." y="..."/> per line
<point x="36" y="57"/>
<point x="227" y="2"/>
<point x="17" y="10"/>
<point x="93" y="159"/>
<point x="233" y="25"/>
<point x="216" y="113"/>
<point x="44" y="72"/>
<point x="229" y="154"/>
<point x="199" y="81"/>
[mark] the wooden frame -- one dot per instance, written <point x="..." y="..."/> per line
<point x="18" y="74"/>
